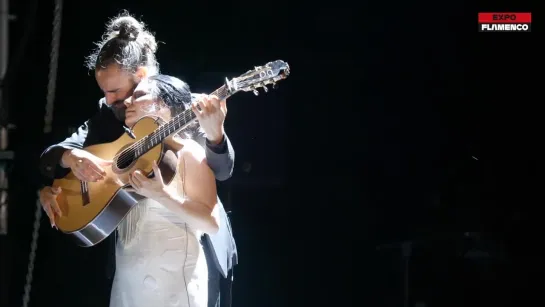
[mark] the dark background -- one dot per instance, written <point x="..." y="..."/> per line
<point x="399" y="123"/>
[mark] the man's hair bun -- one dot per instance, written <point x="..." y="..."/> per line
<point x="125" y="27"/>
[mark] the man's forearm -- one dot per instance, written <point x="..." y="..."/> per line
<point x="217" y="146"/>
<point x="221" y="158"/>
<point x="216" y="141"/>
<point x="53" y="159"/>
<point x="50" y="162"/>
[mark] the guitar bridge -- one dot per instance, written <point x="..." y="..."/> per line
<point x="85" y="193"/>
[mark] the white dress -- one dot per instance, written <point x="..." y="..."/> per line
<point x="163" y="264"/>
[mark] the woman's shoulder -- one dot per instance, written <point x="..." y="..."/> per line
<point x="192" y="150"/>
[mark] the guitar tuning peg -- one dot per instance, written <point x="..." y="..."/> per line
<point x="265" y="88"/>
<point x="274" y="86"/>
<point x="255" y="92"/>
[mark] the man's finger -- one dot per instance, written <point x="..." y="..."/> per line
<point x="196" y="110"/>
<point x="50" y="215"/>
<point x="215" y="101"/>
<point x="89" y="174"/>
<point x="55" y="206"/>
<point x="80" y="176"/>
<point x="95" y="171"/>
<point x="45" y="202"/>
<point x="56" y="190"/>
<point x="223" y="106"/>
<point x="203" y="106"/>
<point x="106" y="162"/>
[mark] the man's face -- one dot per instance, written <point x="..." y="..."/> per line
<point x="117" y="85"/>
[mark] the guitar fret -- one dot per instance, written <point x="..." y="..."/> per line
<point x="175" y="124"/>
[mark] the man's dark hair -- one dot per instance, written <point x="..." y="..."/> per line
<point x="127" y="43"/>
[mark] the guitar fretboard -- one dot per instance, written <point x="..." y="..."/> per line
<point x="176" y="124"/>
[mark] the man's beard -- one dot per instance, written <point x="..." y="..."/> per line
<point x="119" y="108"/>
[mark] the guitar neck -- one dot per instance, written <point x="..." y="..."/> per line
<point x="176" y="124"/>
<point x="249" y="81"/>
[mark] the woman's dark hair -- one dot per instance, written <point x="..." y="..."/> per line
<point x="127" y="43"/>
<point x="172" y="91"/>
<point x="175" y="94"/>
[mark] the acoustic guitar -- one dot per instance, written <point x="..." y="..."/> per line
<point x="93" y="210"/>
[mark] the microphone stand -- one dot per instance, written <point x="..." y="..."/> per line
<point x="406" y="252"/>
<point x="406" y="248"/>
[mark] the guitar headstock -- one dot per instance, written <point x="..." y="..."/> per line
<point x="260" y="77"/>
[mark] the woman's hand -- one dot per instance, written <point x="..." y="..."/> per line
<point x="153" y="188"/>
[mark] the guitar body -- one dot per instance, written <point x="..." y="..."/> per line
<point x="93" y="210"/>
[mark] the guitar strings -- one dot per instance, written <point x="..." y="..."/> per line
<point x="147" y="142"/>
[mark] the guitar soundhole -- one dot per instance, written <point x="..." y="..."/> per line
<point x="125" y="159"/>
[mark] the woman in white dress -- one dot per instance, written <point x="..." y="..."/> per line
<point x="160" y="261"/>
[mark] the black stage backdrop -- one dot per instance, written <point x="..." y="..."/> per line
<point x="400" y="126"/>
